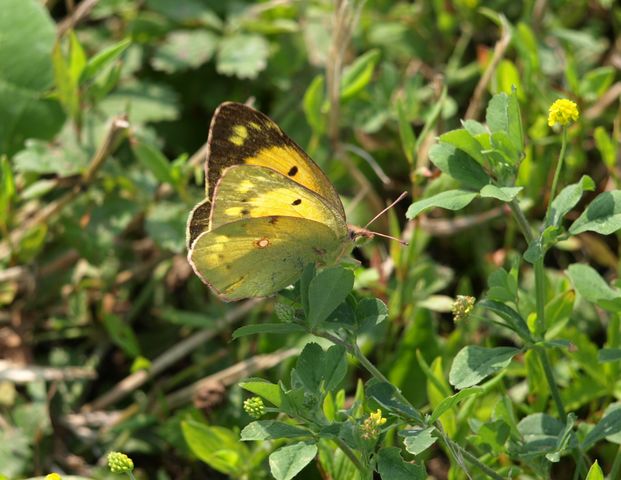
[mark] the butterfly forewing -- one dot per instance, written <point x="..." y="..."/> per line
<point x="241" y="135"/>
<point x="257" y="257"/>
<point x="249" y="191"/>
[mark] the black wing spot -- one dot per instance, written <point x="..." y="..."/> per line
<point x="245" y="211"/>
<point x="244" y="200"/>
<point x="293" y="171"/>
<point x="296" y="202"/>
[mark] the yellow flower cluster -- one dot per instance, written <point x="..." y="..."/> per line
<point x="53" y="476"/>
<point x="371" y="425"/>
<point x="462" y="307"/>
<point x="563" y="112"/>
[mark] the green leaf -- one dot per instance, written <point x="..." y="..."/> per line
<point x="218" y="447"/>
<point x="473" y="364"/>
<point x="269" y="391"/>
<point x="512" y="318"/>
<point x="314" y="98"/>
<point x="452" y="401"/>
<point x="357" y="75"/>
<point x="143" y="101"/>
<point x="610" y="409"/>
<point x="370" y="312"/>
<point x="609" y="425"/>
<point x="540" y="434"/>
<point x="334" y="367"/>
<point x="66" y="85"/>
<point x="503" y="115"/>
<point x="558" y="311"/>
<point x="418" y="440"/>
<point x="326" y="291"/>
<point x="564" y="440"/>
<point x="307" y="276"/>
<point x="465" y="141"/>
<point x="459" y="165"/>
<point x="242" y="55"/>
<point x="502" y="286"/>
<point x="271" y="430"/>
<point x="165" y="223"/>
<point x="567" y="199"/>
<point x="450" y="199"/>
<point x="391" y="466"/>
<point x="152" y="159"/>
<point x="385" y="394"/>
<point x="595" y="472"/>
<point x="606" y="146"/>
<point x="602" y="215"/>
<point x="287" y="462"/>
<point x="259" y="328"/>
<point x="185" y="49"/>
<point x="77" y="59"/>
<point x="593" y="287"/>
<point x="408" y="138"/>
<point x="122" y="334"/>
<point x="504" y="194"/>
<point x="26" y="74"/>
<point x="596" y="82"/>
<point x="308" y="368"/>
<point x="102" y="59"/>
<point x="609" y="355"/>
<point x="7" y="190"/>
<point x="508" y="78"/>
<point x="474" y="128"/>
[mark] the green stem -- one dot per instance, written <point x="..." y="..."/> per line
<point x="540" y="298"/>
<point x="452" y="446"/>
<point x="615" y="471"/>
<point x="131" y="476"/>
<point x="547" y="369"/>
<point x="477" y="463"/>
<point x="352" y="456"/>
<point x="559" y="167"/>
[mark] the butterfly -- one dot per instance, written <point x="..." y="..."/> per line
<point x="268" y="210"/>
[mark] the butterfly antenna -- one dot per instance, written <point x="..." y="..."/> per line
<point x="385" y="210"/>
<point x="391" y="238"/>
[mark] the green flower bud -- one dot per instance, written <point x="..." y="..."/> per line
<point x="254" y="407"/>
<point x="119" y="463"/>
<point x="284" y="312"/>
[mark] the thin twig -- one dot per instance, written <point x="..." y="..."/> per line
<point x="168" y="358"/>
<point x="71" y="20"/>
<point x="229" y="375"/>
<point x="476" y="103"/>
<point x="22" y="374"/>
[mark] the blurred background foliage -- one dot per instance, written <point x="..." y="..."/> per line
<point x="105" y="107"/>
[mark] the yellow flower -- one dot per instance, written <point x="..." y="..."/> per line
<point x="119" y="462"/>
<point x="53" y="476"/>
<point x="563" y="111"/>
<point x="371" y="425"/>
<point x="462" y="307"/>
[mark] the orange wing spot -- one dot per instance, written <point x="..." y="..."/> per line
<point x="262" y="242"/>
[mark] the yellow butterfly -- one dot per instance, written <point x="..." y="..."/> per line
<point x="269" y="209"/>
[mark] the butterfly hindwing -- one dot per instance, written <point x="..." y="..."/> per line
<point x="249" y="191"/>
<point x="242" y="135"/>
<point x="256" y="257"/>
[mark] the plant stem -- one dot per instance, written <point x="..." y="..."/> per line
<point x="547" y="369"/>
<point x="557" y="173"/>
<point x="615" y="471"/>
<point x="476" y="462"/>
<point x="452" y="446"/>
<point x="352" y="456"/>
